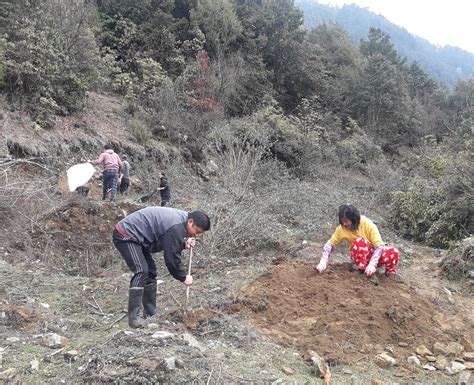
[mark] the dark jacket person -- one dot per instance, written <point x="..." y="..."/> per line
<point x="165" y="190"/>
<point x="148" y="231"/>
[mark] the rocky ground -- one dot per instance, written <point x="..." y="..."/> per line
<point x="255" y="319"/>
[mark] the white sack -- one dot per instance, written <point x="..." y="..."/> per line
<point x="79" y="175"/>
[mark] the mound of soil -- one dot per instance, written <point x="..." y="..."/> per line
<point x="342" y="315"/>
<point x="77" y="236"/>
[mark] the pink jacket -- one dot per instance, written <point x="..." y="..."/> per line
<point x="109" y="160"/>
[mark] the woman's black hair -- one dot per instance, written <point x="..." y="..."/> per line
<point x="351" y="213"/>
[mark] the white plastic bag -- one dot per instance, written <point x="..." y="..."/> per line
<point x="79" y="175"/>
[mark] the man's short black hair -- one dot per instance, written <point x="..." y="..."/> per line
<point x="108" y="146"/>
<point x="351" y="213"/>
<point x="200" y="219"/>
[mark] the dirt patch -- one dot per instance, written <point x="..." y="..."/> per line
<point x="77" y="235"/>
<point x="342" y="315"/>
<point x="18" y="317"/>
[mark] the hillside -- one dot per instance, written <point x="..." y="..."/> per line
<point x="251" y="317"/>
<point x="446" y="64"/>
<point x="269" y="129"/>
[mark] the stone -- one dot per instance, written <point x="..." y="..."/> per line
<point x="34" y="365"/>
<point x="8" y="374"/>
<point x="465" y="378"/>
<point x="287" y="371"/>
<point x="193" y="342"/>
<point x="403" y="344"/>
<point x="467" y="344"/>
<point x="54" y="341"/>
<point x="162" y="335"/>
<point x="376" y="381"/>
<point x="180" y="363"/>
<point x="385" y="361"/>
<point x="454" y="349"/>
<point x="469" y="365"/>
<point x="429" y="367"/>
<point x="468" y="356"/>
<point x="449" y="349"/>
<point x="71" y="355"/>
<point x="455" y="367"/>
<point x="169" y="364"/>
<point x="430" y="358"/>
<point x="414" y="360"/>
<point x="422" y="350"/>
<point x="441" y="362"/>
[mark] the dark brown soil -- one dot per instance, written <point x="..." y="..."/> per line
<point x="341" y="314"/>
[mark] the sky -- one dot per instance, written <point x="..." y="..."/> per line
<point x="441" y="22"/>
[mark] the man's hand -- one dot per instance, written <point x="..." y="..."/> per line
<point x="190" y="242"/>
<point x="189" y="280"/>
<point x="370" y="270"/>
<point x="322" y="265"/>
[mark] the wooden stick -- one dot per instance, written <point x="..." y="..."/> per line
<point x="98" y="305"/>
<point x="175" y="300"/>
<point x="117" y="320"/>
<point x="209" y="379"/>
<point x="189" y="273"/>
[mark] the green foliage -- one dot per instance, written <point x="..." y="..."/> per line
<point x="241" y="84"/>
<point x="342" y="64"/>
<point x="140" y="132"/>
<point x="218" y="21"/>
<point x="459" y="262"/>
<point x="445" y="64"/>
<point x="437" y="206"/>
<point x="50" y="56"/>
<point x="382" y="102"/>
<point x="357" y="151"/>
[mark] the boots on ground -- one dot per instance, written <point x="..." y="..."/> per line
<point x="149" y="300"/>
<point x="135" y="298"/>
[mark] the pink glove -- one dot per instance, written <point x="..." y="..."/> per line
<point x="322" y="265"/>
<point x="370" y="270"/>
<point x="372" y="266"/>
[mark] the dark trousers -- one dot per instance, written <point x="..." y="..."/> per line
<point x="164" y="203"/>
<point x="110" y="179"/>
<point x="124" y="185"/>
<point x="139" y="260"/>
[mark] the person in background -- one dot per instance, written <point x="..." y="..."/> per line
<point x="148" y="231"/>
<point x="112" y="165"/>
<point x="368" y="251"/>
<point x="124" y="178"/>
<point x="164" y="189"/>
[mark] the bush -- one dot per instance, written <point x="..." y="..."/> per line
<point x="459" y="263"/>
<point x="140" y="132"/>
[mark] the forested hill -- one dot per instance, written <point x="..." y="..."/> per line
<point x="446" y="64"/>
<point x="240" y="83"/>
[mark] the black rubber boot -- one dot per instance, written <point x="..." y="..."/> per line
<point x="149" y="300"/>
<point x="135" y="298"/>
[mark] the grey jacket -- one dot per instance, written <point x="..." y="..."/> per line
<point x="159" y="229"/>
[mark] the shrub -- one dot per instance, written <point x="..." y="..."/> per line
<point x="140" y="132"/>
<point x="459" y="262"/>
